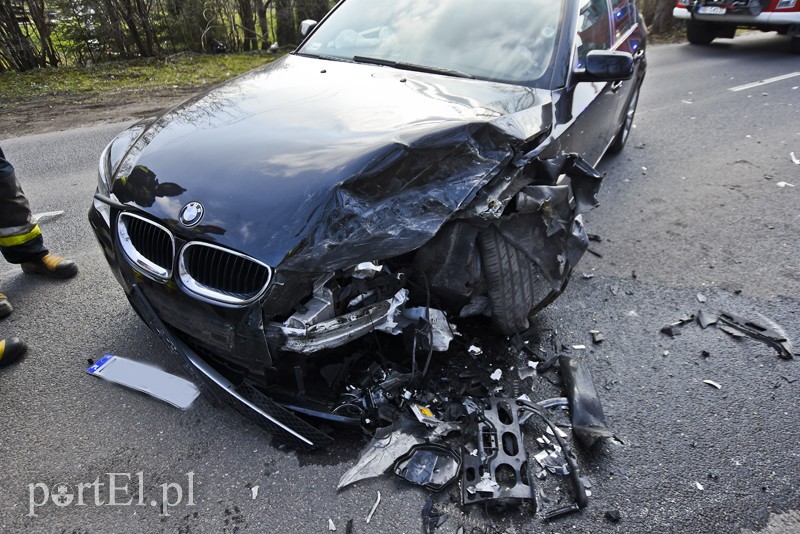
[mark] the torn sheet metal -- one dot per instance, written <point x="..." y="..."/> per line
<point x="431" y="466"/>
<point x="588" y="419"/>
<point x="149" y="379"/>
<point x="773" y="335"/>
<point x="495" y="471"/>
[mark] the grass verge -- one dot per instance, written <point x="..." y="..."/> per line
<point x="177" y="72"/>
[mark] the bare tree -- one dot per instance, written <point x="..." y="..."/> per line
<point x="658" y="14"/>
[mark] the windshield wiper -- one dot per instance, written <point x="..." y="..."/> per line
<point x="412" y="66"/>
<point x="323" y="56"/>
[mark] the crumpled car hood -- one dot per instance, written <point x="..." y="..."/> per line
<point x="315" y="165"/>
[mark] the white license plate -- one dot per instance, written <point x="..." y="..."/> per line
<point x="147" y="379"/>
<point x="711" y="10"/>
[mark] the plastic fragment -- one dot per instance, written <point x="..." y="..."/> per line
<point x="475" y="351"/>
<point x="498" y="373"/>
<point x="374" y="507"/>
<point x="331" y="525"/>
<point x="701" y="298"/>
<point x="431" y="518"/>
<point x="794" y="158"/>
<point x="613" y="516"/>
<point x="486" y="485"/>
<point x="731" y="331"/>
<point x="424" y="415"/>
<point x="586" y="411"/>
<point x="772" y="334"/>
<point x="672" y="329"/>
<point x="699" y="486"/>
<point x="712" y="383"/>
<point x="42" y="217"/>
<point x="597" y="336"/>
<point x="389" y="444"/>
<point x="706" y="319"/>
<point x="784" y="184"/>
<point x="430" y="466"/>
<point x="579" y="347"/>
<point x="254" y="491"/>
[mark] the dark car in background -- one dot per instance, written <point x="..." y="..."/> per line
<point x="412" y="161"/>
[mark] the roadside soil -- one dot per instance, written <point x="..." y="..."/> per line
<point x="50" y="114"/>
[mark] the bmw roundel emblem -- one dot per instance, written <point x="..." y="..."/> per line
<point x="191" y="214"/>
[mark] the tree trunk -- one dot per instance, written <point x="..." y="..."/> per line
<point x="147" y="28"/>
<point x="311" y="9"/>
<point x="248" y="25"/>
<point x="284" y="20"/>
<point x="261" y="10"/>
<point x="115" y="29"/>
<point x="662" y="17"/>
<point x="39" y="18"/>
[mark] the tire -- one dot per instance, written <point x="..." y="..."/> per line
<point x="795" y="45"/>
<point x="700" y="33"/>
<point x="627" y="125"/>
<point x="510" y="279"/>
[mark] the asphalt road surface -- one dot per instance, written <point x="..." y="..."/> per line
<point x="693" y="205"/>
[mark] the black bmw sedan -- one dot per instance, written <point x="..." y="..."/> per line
<point x="411" y="160"/>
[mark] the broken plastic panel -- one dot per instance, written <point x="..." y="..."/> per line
<point x="149" y="379"/>
<point x="498" y="467"/>
<point x="772" y="335"/>
<point x="588" y="419"/>
<point x="430" y="466"/>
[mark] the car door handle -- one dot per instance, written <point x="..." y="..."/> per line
<point x="638" y="54"/>
<point x="616" y="85"/>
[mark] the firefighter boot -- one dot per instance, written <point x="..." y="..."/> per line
<point x="12" y="350"/>
<point x="52" y="266"/>
<point x="5" y="306"/>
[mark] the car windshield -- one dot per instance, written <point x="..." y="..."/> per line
<point x="502" y="40"/>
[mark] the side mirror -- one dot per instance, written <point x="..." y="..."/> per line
<point x="306" y="26"/>
<point x="606" y="66"/>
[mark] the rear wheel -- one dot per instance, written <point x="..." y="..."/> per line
<point x="627" y="125"/>
<point x="511" y="280"/>
<point x="700" y="33"/>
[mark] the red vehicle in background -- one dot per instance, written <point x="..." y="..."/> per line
<point x="709" y="19"/>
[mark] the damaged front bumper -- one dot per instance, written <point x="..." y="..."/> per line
<point x="282" y="424"/>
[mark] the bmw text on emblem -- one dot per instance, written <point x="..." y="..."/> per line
<point x="191" y="214"/>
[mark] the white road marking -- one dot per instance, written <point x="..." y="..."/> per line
<point x="764" y="82"/>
